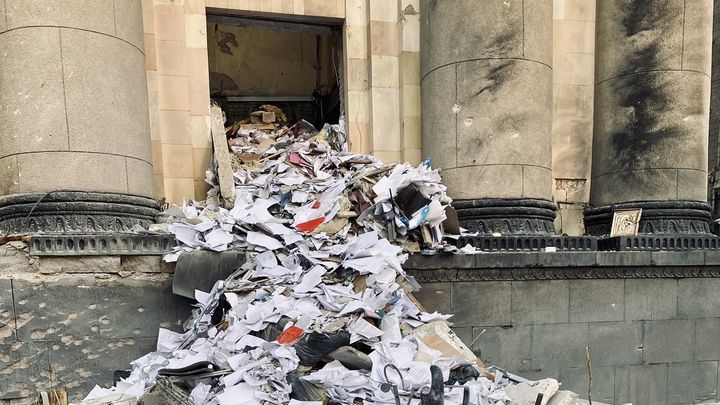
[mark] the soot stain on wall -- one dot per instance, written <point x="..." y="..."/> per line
<point x="645" y="97"/>
<point x="490" y="77"/>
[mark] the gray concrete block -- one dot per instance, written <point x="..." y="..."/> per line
<point x="439" y="261"/>
<point x="567" y="259"/>
<point x="537" y="302"/>
<point x="505" y="347"/>
<point x="668" y="341"/>
<point x="677" y="258"/>
<point x="506" y="259"/>
<point x="623" y="258"/>
<point x="712" y="257"/>
<point x="463" y="261"/>
<point x="82" y="364"/>
<point x="141" y="264"/>
<point x="603" y="382"/>
<point x="641" y="385"/>
<point x="690" y="383"/>
<point x="80" y="264"/>
<point x="616" y="343"/>
<point x="481" y="303"/>
<point x="650" y="299"/>
<point x="707" y="332"/>
<point x="559" y="345"/>
<point x="435" y="297"/>
<point x="7" y="313"/>
<point x="597" y="300"/>
<point x="136" y="308"/>
<point x="64" y="307"/>
<point x="699" y="298"/>
<point x="23" y="369"/>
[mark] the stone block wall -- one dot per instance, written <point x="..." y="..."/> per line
<point x="652" y="340"/>
<point x="572" y="122"/>
<point x="74" y="321"/>
<point x="651" y="320"/>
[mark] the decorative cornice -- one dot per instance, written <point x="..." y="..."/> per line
<point x="74" y="212"/>
<point x="658" y="218"/>
<point x="524" y="216"/>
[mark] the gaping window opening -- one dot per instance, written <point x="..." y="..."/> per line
<point x="292" y="63"/>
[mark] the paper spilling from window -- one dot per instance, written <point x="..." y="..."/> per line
<point x="327" y="231"/>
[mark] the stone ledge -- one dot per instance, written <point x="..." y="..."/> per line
<point x="508" y="266"/>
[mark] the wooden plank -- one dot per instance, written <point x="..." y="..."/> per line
<point x="222" y="157"/>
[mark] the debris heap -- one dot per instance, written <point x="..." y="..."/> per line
<point x="323" y="311"/>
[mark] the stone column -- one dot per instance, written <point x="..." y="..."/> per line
<point x="486" y="82"/>
<point x="74" y="140"/>
<point x="652" y="91"/>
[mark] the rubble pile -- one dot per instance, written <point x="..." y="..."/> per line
<point x="323" y="312"/>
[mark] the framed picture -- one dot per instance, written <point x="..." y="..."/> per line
<point x="626" y="222"/>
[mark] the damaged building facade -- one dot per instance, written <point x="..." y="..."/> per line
<point x="545" y="116"/>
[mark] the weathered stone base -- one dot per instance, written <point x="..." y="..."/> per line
<point x="74" y="212"/>
<point x="658" y="218"/>
<point x="653" y="340"/>
<point x="507" y="216"/>
<point x="74" y="321"/>
<point x="651" y="319"/>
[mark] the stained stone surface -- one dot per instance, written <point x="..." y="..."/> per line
<point x="487" y="96"/>
<point x="651" y="100"/>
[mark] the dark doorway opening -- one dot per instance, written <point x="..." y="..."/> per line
<point x="294" y="64"/>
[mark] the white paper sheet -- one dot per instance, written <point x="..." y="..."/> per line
<point x="260" y="239"/>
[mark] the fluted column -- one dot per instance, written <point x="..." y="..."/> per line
<point x="486" y="109"/>
<point x="74" y="140"/>
<point x="651" y="114"/>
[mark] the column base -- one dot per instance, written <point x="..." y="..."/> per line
<point x="74" y="212"/>
<point x="680" y="217"/>
<point x="507" y="216"/>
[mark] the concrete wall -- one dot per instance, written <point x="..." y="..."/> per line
<point x="73" y="321"/>
<point x="652" y="340"/>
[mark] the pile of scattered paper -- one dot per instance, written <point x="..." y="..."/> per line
<point x="324" y="312"/>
